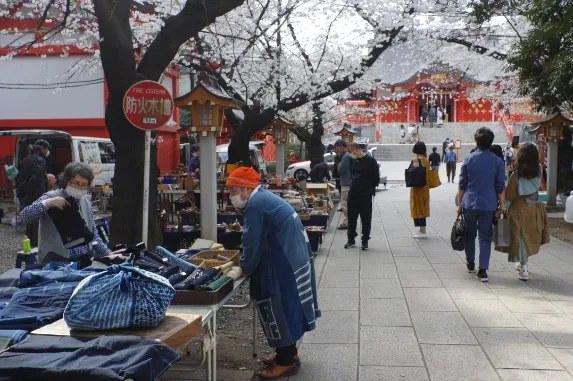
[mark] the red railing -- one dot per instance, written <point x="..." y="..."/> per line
<point x="507" y="126"/>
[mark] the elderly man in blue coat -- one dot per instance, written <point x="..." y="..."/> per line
<point x="278" y="258"/>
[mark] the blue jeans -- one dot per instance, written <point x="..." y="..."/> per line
<point x="481" y="222"/>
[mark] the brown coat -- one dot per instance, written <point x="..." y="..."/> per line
<point x="420" y="197"/>
<point x="529" y="219"/>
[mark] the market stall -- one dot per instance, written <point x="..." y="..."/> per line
<point x="38" y="302"/>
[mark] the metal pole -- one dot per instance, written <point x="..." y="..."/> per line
<point x="146" y="169"/>
<point x="208" y="172"/>
<point x="552" y="173"/>
<point x="280" y="170"/>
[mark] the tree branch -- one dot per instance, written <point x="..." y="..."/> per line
<point x="194" y="17"/>
<point x="475" y="48"/>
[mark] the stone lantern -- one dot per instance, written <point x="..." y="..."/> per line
<point x="279" y="129"/>
<point x="550" y="130"/>
<point x="207" y="102"/>
<point x="346" y="133"/>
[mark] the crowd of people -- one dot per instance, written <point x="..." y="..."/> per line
<point x="493" y="184"/>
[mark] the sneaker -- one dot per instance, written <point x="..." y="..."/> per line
<point x="350" y="245"/>
<point x="419" y="235"/>
<point x="482" y="275"/>
<point x="471" y="267"/>
<point x="343" y="227"/>
<point x="518" y="267"/>
<point x="524" y="273"/>
<point x="364" y="246"/>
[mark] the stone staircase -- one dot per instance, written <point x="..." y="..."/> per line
<point x="391" y="150"/>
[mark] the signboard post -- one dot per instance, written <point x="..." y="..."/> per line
<point x="147" y="105"/>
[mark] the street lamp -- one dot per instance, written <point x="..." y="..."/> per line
<point x="207" y="102"/>
<point x="552" y="128"/>
<point x="279" y="129"/>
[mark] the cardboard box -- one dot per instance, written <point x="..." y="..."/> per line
<point x="317" y="189"/>
<point x="189" y="184"/>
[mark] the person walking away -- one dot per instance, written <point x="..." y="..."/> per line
<point x="440" y="115"/>
<point x="402" y="134"/>
<point x="340" y="150"/>
<point x="344" y="169"/>
<point x="435" y="159"/>
<point x="278" y="259"/>
<point x="411" y="130"/>
<point x="497" y="150"/>
<point x="433" y="116"/>
<point x="195" y="162"/>
<point x="365" y="179"/>
<point x="509" y="157"/>
<point x="292" y="157"/>
<point x="445" y="145"/>
<point x="451" y="163"/>
<point x="481" y="186"/>
<point x="58" y="212"/>
<point x="420" y="196"/>
<point x="32" y="182"/>
<point x="319" y="172"/>
<point x="527" y="215"/>
<point x="424" y="115"/>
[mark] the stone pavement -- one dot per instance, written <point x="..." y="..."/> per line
<point x="408" y="309"/>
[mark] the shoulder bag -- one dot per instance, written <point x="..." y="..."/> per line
<point x="458" y="236"/>
<point x="415" y="176"/>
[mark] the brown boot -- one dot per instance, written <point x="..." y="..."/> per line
<point x="276" y="371"/>
<point x="272" y="360"/>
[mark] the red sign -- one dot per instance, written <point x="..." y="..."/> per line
<point x="148" y="105"/>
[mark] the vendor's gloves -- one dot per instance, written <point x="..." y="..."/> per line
<point x="55" y="202"/>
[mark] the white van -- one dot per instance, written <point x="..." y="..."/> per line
<point x="255" y="154"/>
<point x="98" y="153"/>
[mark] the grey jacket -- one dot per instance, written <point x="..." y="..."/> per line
<point x="344" y="170"/>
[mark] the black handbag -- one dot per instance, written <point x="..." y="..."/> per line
<point x="458" y="236"/>
<point x="415" y="176"/>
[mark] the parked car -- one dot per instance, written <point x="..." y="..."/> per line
<point x="98" y="153"/>
<point x="255" y="154"/>
<point x="383" y="176"/>
<point x="301" y="170"/>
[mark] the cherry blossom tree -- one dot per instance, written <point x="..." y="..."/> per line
<point x="132" y="41"/>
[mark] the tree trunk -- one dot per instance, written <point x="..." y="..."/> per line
<point x="127" y="203"/>
<point x="254" y="121"/>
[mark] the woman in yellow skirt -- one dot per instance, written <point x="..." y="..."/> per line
<point x="420" y="196"/>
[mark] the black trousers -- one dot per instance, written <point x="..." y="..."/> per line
<point x="420" y="222"/>
<point x="285" y="355"/>
<point x="359" y="206"/>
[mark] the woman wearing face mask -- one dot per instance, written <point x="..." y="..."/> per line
<point x="67" y="227"/>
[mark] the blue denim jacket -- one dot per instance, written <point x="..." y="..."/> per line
<point x="482" y="178"/>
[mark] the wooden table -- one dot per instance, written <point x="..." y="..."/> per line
<point x="175" y="330"/>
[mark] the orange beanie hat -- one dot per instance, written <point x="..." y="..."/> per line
<point x="244" y="177"/>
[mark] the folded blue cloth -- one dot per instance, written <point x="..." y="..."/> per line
<point x="30" y="278"/>
<point x="34" y="307"/>
<point x="13" y="336"/>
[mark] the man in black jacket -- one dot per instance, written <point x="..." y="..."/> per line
<point x="319" y="172"/>
<point x="32" y="181"/>
<point x="365" y="179"/>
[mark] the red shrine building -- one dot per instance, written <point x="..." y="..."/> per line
<point x="439" y="85"/>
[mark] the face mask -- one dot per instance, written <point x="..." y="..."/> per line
<point x="237" y="202"/>
<point x="353" y="156"/>
<point x="195" y="155"/>
<point x="76" y="193"/>
<point x="47" y="153"/>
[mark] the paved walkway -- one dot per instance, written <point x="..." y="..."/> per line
<point x="408" y="310"/>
